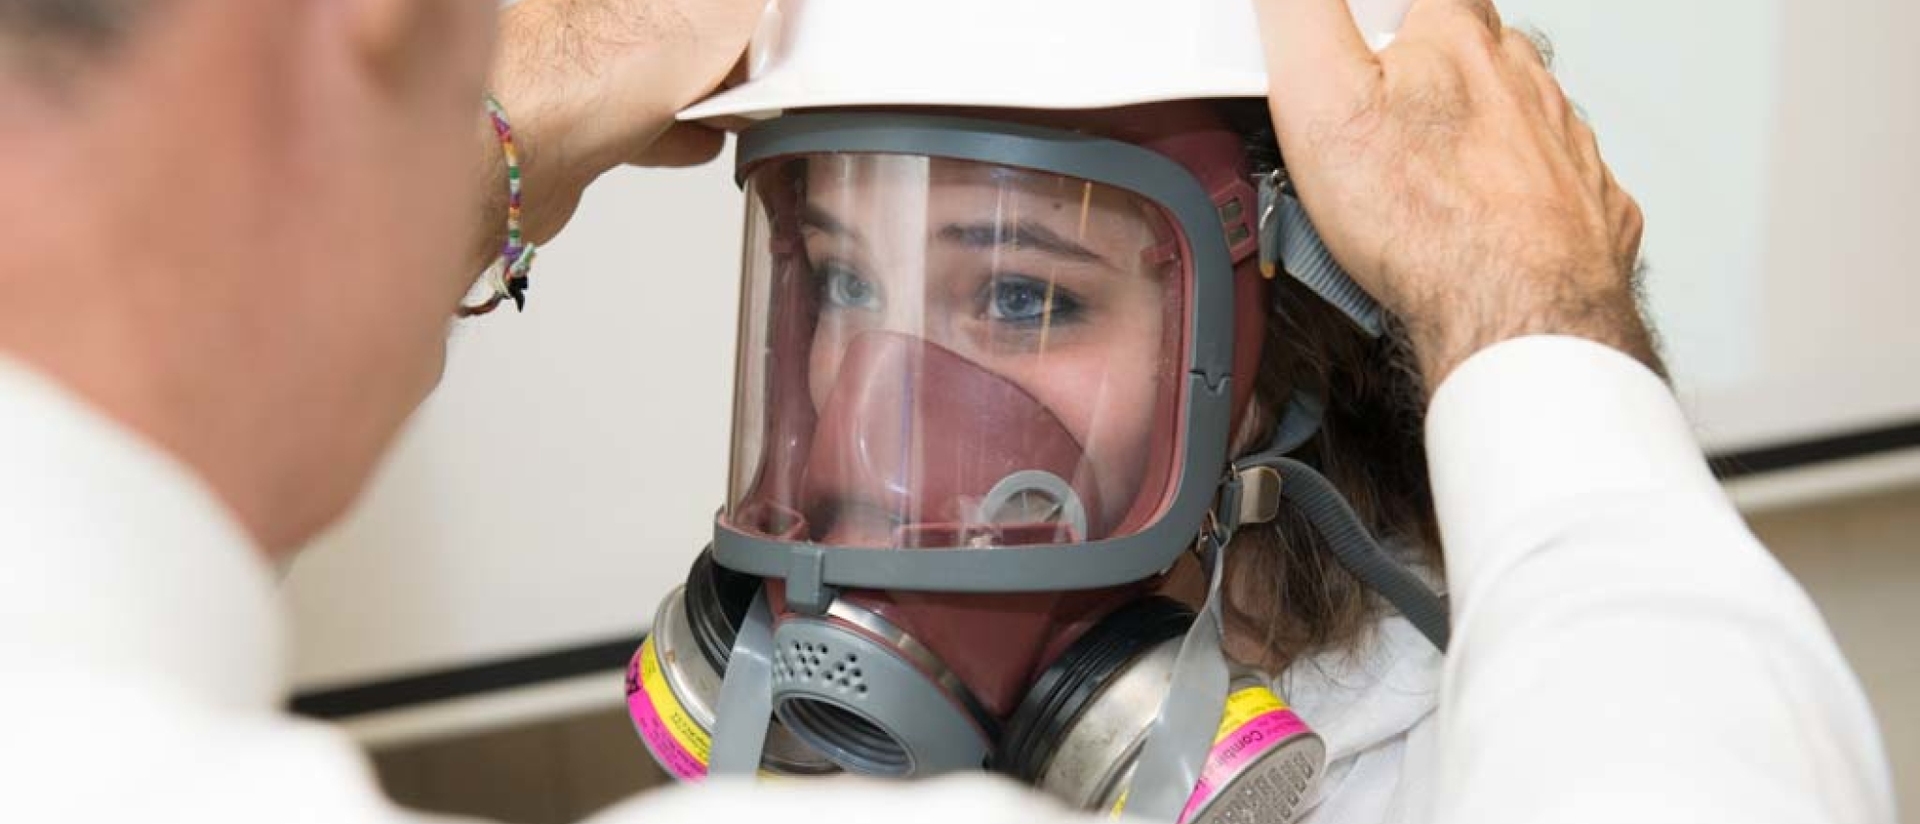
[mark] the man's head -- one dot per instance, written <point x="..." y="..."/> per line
<point x="232" y="225"/>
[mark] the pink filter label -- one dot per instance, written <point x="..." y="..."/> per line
<point x="1253" y="726"/>
<point x="679" y="744"/>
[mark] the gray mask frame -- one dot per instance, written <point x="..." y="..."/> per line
<point x="813" y="572"/>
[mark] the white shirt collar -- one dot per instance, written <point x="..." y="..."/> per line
<point x="1359" y="698"/>
<point x="120" y="563"/>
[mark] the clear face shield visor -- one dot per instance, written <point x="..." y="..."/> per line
<point x="941" y="353"/>
<point x="955" y="342"/>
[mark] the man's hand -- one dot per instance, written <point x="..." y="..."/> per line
<point x="593" y="84"/>
<point x="1450" y="176"/>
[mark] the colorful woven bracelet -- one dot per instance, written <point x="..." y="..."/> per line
<point x="508" y="275"/>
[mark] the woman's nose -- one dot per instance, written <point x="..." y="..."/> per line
<point x="906" y="312"/>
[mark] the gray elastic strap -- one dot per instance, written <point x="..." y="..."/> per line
<point x="1298" y="424"/>
<point x="1358" y="552"/>
<point x="746" y="696"/>
<point x="1289" y="235"/>
<point x="1352" y="546"/>
<point x="1182" y="733"/>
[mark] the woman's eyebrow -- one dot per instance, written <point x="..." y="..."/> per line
<point x="814" y="217"/>
<point x="1025" y="234"/>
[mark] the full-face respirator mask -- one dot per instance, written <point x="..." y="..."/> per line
<point x="987" y="373"/>
<point x="987" y="377"/>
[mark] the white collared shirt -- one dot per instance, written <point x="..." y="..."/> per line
<point x="1622" y="647"/>
<point x="1374" y="707"/>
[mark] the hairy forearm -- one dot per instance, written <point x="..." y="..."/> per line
<point x="543" y="109"/>
<point x="1607" y="312"/>
<point x="1452" y="178"/>
<point x="593" y="84"/>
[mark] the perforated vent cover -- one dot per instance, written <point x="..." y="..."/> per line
<point x="797" y="662"/>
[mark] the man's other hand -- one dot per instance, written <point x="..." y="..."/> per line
<point x="1451" y="177"/>
<point x="594" y="84"/>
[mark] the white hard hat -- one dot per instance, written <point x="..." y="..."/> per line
<point x="1029" y="54"/>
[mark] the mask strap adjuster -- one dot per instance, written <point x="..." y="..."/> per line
<point x="1288" y="241"/>
<point x="1251" y="493"/>
<point x="807" y="591"/>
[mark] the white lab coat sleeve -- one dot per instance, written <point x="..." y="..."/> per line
<point x="1624" y="649"/>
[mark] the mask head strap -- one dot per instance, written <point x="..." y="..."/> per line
<point x="746" y="696"/>
<point x="1182" y="732"/>
<point x="1288" y="241"/>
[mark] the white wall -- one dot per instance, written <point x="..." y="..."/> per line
<point x="1771" y="145"/>
<point x="567" y="469"/>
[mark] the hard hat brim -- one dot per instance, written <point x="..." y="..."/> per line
<point x="760" y="99"/>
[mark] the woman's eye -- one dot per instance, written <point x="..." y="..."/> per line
<point x="842" y="288"/>
<point x="1023" y="300"/>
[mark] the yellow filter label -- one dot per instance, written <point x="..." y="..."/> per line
<point x="666" y="727"/>
<point x="1244" y="706"/>
<point x="1253" y="722"/>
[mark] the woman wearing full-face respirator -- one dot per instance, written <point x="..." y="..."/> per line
<point x="997" y="347"/>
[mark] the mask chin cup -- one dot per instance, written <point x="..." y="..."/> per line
<point x="865" y="706"/>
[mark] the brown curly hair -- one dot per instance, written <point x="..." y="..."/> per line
<point x="1283" y="586"/>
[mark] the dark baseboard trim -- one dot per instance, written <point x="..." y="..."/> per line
<point x="466" y="681"/>
<point x="1838" y="447"/>
<point x="462" y="682"/>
